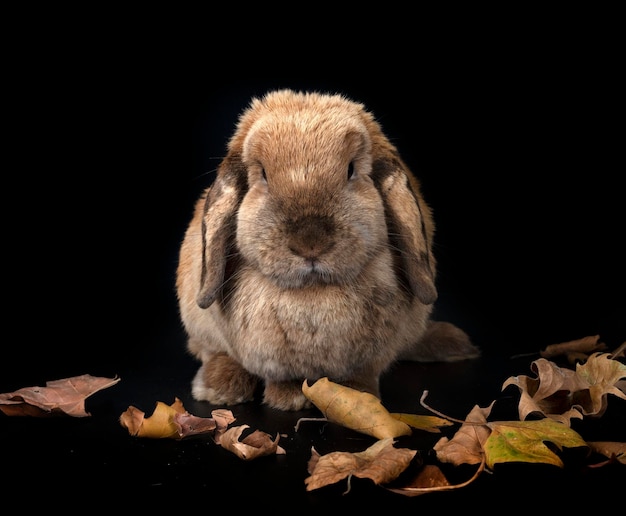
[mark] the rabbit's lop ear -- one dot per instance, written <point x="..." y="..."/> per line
<point x="409" y="224"/>
<point x="219" y="226"/>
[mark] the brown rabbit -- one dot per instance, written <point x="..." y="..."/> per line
<point x="310" y="256"/>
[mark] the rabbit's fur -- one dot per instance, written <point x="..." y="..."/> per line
<point x="309" y="256"/>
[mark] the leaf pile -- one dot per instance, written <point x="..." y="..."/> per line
<point x="548" y="402"/>
<point x="546" y="406"/>
<point x="174" y="422"/>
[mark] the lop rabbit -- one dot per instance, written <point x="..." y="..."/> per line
<point x="309" y="256"/>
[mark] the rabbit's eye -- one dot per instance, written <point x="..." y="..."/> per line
<point x="264" y="175"/>
<point x="350" y="170"/>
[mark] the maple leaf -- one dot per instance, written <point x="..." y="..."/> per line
<point x="549" y="394"/>
<point x="479" y="440"/>
<point x="601" y="374"/>
<point x="59" y="397"/>
<point x="562" y="394"/>
<point x="359" y="411"/>
<point x="524" y="441"/>
<point x="381" y="462"/>
<point x="257" y="444"/>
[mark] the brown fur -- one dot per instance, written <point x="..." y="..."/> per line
<point x="294" y="268"/>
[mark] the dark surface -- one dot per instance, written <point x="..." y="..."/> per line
<point x="519" y="158"/>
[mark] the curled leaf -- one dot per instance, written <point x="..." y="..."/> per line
<point x="157" y="426"/>
<point x="257" y="444"/>
<point x="173" y="422"/>
<point x="359" y="411"/>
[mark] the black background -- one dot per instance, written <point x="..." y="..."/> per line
<point x="111" y="133"/>
<point x="517" y="146"/>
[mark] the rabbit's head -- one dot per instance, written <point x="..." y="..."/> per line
<point x="308" y="193"/>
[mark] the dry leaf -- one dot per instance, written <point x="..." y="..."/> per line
<point x="602" y="375"/>
<point x="431" y="479"/>
<point x="359" y="411"/>
<point x="562" y="394"/>
<point x="431" y="424"/>
<point x="466" y="446"/>
<point x="257" y="444"/>
<point x="59" y="397"/>
<point x="610" y="449"/>
<point x="173" y="422"/>
<point x="574" y="348"/>
<point x="159" y="425"/>
<point x="381" y="463"/>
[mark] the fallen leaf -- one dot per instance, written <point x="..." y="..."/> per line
<point x="257" y="444"/>
<point x="160" y="425"/>
<point x="620" y="352"/>
<point x="576" y="348"/>
<point x="191" y="425"/>
<point x="381" y="462"/>
<point x="359" y="411"/>
<point x="601" y="374"/>
<point x="610" y="449"/>
<point x="431" y="424"/>
<point x="548" y="394"/>
<point x="59" y="397"/>
<point x="173" y="422"/>
<point x="525" y="441"/>
<point x="431" y="479"/>
<point x="562" y="394"/>
<point x="466" y="446"/>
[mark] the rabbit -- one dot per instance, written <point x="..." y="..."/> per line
<point x="310" y="255"/>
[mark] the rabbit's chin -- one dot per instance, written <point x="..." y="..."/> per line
<point x="311" y="275"/>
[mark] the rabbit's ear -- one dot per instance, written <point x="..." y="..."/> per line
<point x="409" y="225"/>
<point x="219" y="226"/>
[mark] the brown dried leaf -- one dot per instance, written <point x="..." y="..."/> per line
<point x="59" y="397"/>
<point x="620" y="352"/>
<point x="222" y="418"/>
<point x="381" y="463"/>
<point x="548" y="394"/>
<point x="466" y="446"/>
<point x="359" y="411"/>
<point x="610" y="449"/>
<point x="602" y="374"/>
<point x="431" y="479"/>
<point x="578" y="347"/>
<point x="562" y="394"/>
<point x="257" y="444"/>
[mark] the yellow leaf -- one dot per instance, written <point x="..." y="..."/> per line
<point x="160" y="424"/>
<point x="422" y="422"/>
<point x="524" y="441"/>
<point x="359" y="411"/>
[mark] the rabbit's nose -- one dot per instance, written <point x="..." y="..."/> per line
<point x="311" y="237"/>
